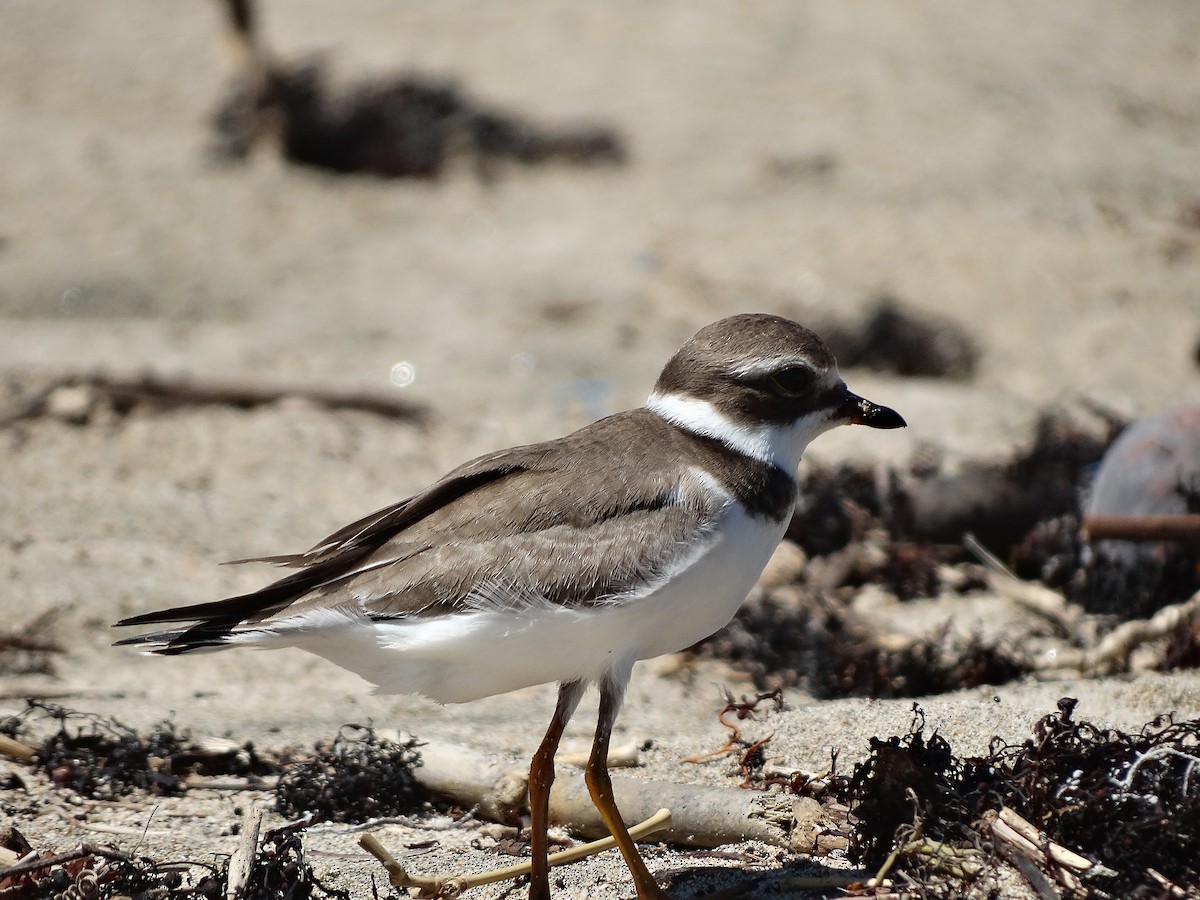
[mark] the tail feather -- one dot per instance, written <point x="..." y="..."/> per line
<point x="175" y="643"/>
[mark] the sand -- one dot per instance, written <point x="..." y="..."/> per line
<point x="1026" y="170"/>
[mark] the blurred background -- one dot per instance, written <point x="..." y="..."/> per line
<point x="1028" y="172"/>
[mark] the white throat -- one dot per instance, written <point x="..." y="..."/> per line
<point x="779" y="445"/>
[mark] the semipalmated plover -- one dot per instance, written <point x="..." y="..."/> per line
<point x="568" y="560"/>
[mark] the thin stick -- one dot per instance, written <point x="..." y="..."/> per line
<point x="38" y="863"/>
<point x="1034" y="597"/>
<point x="243" y="857"/>
<point x="452" y="886"/>
<point x="1182" y="528"/>
<point x="16" y="750"/>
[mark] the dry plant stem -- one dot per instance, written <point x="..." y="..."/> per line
<point x="452" y="886"/>
<point x="1184" y="528"/>
<point x="1114" y="650"/>
<point x="1172" y="889"/>
<point x="1017" y="836"/>
<point x="1036" y="598"/>
<point x="14" y="749"/>
<point x="41" y="863"/>
<point x="243" y="856"/>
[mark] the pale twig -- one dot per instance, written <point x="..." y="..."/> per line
<point x="231" y="783"/>
<point x="454" y="885"/>
<point x="1016" y="835"/>
<point x="1034" y="597"/>
<point x="243" y="857"/>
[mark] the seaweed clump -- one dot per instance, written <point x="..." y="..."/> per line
<point x="102" y="758"/>
<point x="1129" y="803"/>
<point x="359" y="777"/>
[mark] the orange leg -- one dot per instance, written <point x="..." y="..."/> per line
<point x="600" y="787"/>
<point x="541" y="777"/>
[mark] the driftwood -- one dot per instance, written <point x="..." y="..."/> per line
<point x="701" y="816"/>
<point x="1113" y="651"/>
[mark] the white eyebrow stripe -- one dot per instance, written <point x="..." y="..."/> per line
<point x="775" y="364"/>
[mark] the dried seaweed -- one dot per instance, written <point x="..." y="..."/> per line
<point x="279" y="871"/>
<point x="403" y="126"/>
<point x="1128" y="586"/>
<point x="827" y="651"/>
<point x="99" y="870"/>
<point x="102" y="758"/>
<point x="896" y="340"/>
<point x="360" y="776"/>
<point x="900" y="531"/>
<point x="28" y="648"/>
<point x="1129" y="802"/>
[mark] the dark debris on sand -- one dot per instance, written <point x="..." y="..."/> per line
<point x="101" y="758"/>
<point x="278" y="871"/>
<point x="360" y="776"/>
<point x="406" y="126"/>
<point x="95" y="871"/>
<point x="826" y="649"/>
<point x="896" y="340"/>
<point x="1128" y="802"/>
<point x="903" y="531"/>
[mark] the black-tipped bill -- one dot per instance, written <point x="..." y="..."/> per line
<point x="857" y="410"/>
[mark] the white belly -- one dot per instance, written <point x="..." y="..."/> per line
<point x="466" y="656"/>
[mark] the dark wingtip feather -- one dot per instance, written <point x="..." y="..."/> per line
<point x="174" y="643"/>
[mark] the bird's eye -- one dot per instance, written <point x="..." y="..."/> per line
<point x="793" y="381"/>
